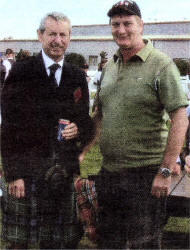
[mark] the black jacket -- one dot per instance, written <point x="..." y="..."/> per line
<point x="2" y="75"/>
<point x="31" y="108"/>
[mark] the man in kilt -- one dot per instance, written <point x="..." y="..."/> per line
<point x="140" y="87"/>
<point x="39" y="205"/>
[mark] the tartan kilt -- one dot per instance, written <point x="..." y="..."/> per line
<point x="36" y="219"/>
<point x="87" y="206"/>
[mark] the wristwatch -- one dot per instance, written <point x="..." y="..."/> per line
<point x="165" y="172"/>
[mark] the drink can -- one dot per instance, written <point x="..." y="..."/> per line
<point x="62" y="124"/>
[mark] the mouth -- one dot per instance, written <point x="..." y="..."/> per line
<point x="57" y="47"/>
<point x="122" y="37"/>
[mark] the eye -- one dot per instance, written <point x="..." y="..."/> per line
<point x="63" y="34"/>
<point x="115" y="24"/>
<point x="127" y="24"/>
<point x="52" y="34"/>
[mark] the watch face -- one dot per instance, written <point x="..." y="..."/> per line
<point x="165" y="172"/>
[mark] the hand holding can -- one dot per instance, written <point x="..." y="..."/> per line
<point x="70" y="132"/>
<point x="62" y="124"/>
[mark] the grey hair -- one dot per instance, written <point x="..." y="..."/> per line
<point x="57" y="16"/>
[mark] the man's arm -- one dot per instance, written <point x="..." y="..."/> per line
<point x="14" y="114"/>
<point x="179" y="124"/>
<point x="97" y="124"/>
<point x="81" y="118"/>
<point x="16" y="185"/>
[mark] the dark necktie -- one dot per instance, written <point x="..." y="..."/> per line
<point x="53" y="69"/>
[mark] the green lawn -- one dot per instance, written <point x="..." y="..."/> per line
<point x="92" y="162"/>
<point x="178" y="225"/>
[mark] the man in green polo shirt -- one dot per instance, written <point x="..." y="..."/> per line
<point x="140" y="89"/>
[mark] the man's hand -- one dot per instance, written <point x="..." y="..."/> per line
<point x="82" y="156"/>
<point x="161" y="186"/>
<point x="176" y="169"/>
<point x="187" y="164"/>
<point x="17" y="188"/>
<point x="70" y="131"/>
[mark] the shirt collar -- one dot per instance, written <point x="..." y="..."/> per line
<point x="48" y="61"/>
<point x="142" y="54"/>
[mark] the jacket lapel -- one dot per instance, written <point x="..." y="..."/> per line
<point x="66" y="76"/>
<point x="41" y="73"/>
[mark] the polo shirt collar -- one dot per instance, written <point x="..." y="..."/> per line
<point x="145" y="52"/>
<point x="142" y="54"/>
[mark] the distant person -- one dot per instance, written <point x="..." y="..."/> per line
<point x="98" y="73"/>
<point x="8" y="61"/>
<point x="140" y="88"/>
<point x="97" y="79"/>
<point x="2" y="73"/>
<point x="79" y="61"/>
<point x="85" y="68"/>
<point x="23" y="54"/>
<point x="2" y="79"/>
<point x="40" y="158"/>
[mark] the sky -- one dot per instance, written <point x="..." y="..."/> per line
<point x="20" y="18"/>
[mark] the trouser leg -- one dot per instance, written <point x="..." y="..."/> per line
<point x="146" y="214"/>
<point x="112" y="231"/>
<point x="49" y="245"/>
<point x="130" y="217"/>
<point x="14" y="246"/>
<point x="112" y="216"/>
<point x="151" y="244"/>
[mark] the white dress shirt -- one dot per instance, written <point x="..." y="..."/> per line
<point x="48" y="62"/>
<point x="7" y="65"/>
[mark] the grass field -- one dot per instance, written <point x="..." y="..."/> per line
<point x="91" y="166"/>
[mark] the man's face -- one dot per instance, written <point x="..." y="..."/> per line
<point x="10" y="55"/>
<point x="127" y="31"/>
<point x="55" y="39"/>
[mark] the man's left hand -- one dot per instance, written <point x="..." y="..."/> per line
<point x="70" y="131"/>
<point x="161" y="186"/>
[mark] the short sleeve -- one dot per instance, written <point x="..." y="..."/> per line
<point x="172" y="95"/>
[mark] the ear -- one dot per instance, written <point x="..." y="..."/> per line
<point x="142" y="27"/>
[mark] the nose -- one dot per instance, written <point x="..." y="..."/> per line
<point x="121" y="28"/>
<point x="58" y="39"/>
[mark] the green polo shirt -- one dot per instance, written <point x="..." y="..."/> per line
<point x="136" y="98"/>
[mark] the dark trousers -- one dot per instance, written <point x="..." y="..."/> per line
<point x="130" y="217"/>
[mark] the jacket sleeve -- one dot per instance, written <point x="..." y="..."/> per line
<point x="13" y="159"/>
<point x="83" y="119"/>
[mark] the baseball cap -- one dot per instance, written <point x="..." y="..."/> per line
<point x="127" y="7"/>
